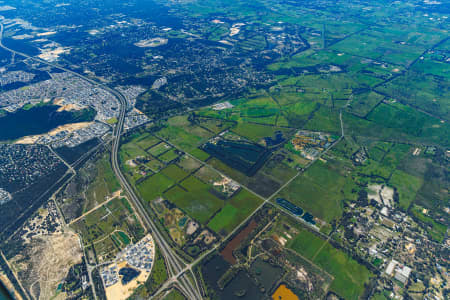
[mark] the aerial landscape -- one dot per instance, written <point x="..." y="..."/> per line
<point x="218" y="149"/>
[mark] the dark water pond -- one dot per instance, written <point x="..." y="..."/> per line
<point x="128" y="274"/>
<point x="39" y="119"/>
<point x="241" y="155"/>
<point x="275" y="140"/>
<point x="241" y="287"/>
<point x="266" y="273"/>
<point x="214" y="269"/>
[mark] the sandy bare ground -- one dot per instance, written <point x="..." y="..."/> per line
<point x="122" y="292"/>
<point x="61" y="251"/>
<point x="47" y="261"/>
<point x="155" y="42"/>
<point x="31" y="139"/>
<point x="52" y="55"/>
<point x="69" y="107"/>
<point x="46" y="33"/>
<point x="66" y="106"/>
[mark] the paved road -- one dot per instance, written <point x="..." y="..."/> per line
<point x="174" y="263"/>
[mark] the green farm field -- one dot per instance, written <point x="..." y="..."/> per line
<point x="154" y="186"/>
<point x="321" y="191"/>
<point x="349" y="276"/>
<point x="174" y="172"/>
<point x="240" y="206"/>
<point x="193" y="197"/>
<point x="182" y="133"/>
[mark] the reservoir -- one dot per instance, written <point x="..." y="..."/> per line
<point x="39" y="119"/>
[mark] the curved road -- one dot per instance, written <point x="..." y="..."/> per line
<point x="175" y="265"/>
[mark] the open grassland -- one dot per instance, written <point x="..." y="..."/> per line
<point x="321" y="190"/>
<point x="279" y="169"/>
<point x="259" y="108"/>
<point x="169" y="156"/>
<point x="174" y="172"/>
<point x="407" y="187"/>
<point x="223" y="218"/>
<point x="298" y="113"/>
<point x="396" y="155"/>
<point x="436" y="230"/>
<point x="325" y="119"/>
<point x="104" y="184"/>
<point x="109" y="228"/>
<point x="199" y="154"/>
<point x="256" y="132"/>
<point x="410" y="121"/>
<point x="398" y="123"/>
<point x="208" y="175"/>
<point x="363" y="103"/>
<point x="235" y="211"/>
<point x="349" y="276"/>
<point x="262" y="109"/>
<point x="154" y="164"/>
<point x="154" y="186"/>
<point x="366" y="73"/>
<point x="188" y="163"/>
<point x="261" y="183"/>
<point x="264" y="113"/>
<point x="145" y="141"/>
<point x="195" y="199"/>
<point x="139" y="145"/>
<point x="373" y="168"/>
<point x="430" y="66"/>
<point x="433" y="194"/>
<point x="384" y="158"/>
<point x="159" y="149"/>
<point x="213" y="124"/>
<point x="129" y="151"/>
<point x="381" y="43"/>
<point x="426" y="92"/>
<point x="183" y="133"/>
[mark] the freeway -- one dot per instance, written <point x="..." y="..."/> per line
<point x="174" y="263"/>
